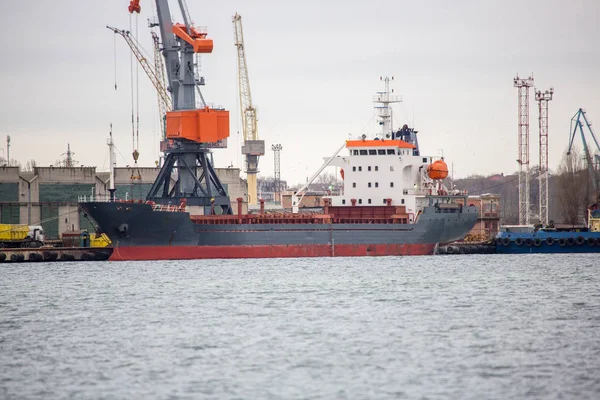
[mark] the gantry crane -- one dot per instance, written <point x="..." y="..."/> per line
<point x="252" y="148"/>
<point x="187" y="174"/>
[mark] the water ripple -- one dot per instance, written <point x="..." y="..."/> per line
<point x="468" y="327"/>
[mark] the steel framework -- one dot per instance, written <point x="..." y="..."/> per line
<point x="523" y="86"/>
<point x="592" y="160"/>
<point x="543" y="98"/>
<point x="277" y="156"/>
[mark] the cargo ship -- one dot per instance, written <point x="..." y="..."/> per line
<point x="517" y="239"/>
<point x="393" y="203"/>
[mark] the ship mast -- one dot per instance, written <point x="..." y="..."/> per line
<point x="382" y="102"/>
<point x="113" y="163"/>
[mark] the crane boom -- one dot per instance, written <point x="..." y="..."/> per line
<point x="248" y="111"/>
<point x="253" y="148"/>
<point x="160" y="88"/>
<point x="159" y="69"/>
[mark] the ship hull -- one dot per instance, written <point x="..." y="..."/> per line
<point x="139" y="233"/>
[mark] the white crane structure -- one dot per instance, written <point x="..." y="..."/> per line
<point x="252" y="148"/>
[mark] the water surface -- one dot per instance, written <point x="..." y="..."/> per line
<point x="438" y="327"/>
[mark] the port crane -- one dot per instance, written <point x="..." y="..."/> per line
<point x="253" y="148"/>
<point x="187" y="174"/>
<point x="591" y="162"/>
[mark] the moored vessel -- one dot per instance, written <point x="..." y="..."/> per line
<point x="393" y="202"/>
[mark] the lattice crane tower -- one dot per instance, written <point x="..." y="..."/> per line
<point x="523" y="86"/>
<point x="277" y="156"/>
<point x="543" y="98"/>
<point x="252" y="148"/>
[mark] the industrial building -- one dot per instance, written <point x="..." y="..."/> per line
<point x="48" y="196"/>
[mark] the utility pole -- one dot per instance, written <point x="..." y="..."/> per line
<point x="277" y="153"/>
<point x="523" y="86"/>
<point x="543" y="98"/>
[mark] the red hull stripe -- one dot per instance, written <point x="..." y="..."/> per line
<point x="267" y="251"/>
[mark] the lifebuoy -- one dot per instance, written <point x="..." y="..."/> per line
<point x="549" y="241"/>
<point x="537" y="242"/>
<point x="506" y="241"/>
<point x="518" y="241"/>
<point x="562" y="242"/>
<point x="528" y="242"/>
<point x="579" y="240"/>
<point x="597" y="241"/>
<point x="591" y="241"/>
<point x="570" y="241"/>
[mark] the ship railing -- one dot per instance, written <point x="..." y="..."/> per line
<point x="94" y="198"/>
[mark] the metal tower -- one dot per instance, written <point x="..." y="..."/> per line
<point x="277" y="152"/>
<point x="252" y="148"/>
<point x="543" y="98"/>
<point x="384" y="111"/>
<point x="523" y="86"/>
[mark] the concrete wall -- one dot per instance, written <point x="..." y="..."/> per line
<point x="65" y="175"/>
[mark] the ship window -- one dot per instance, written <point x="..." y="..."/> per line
<point x="424" y="159"/>
<point x="391" y="151"/>
<point x="360" y="168"/>
<point x="402" y="201"/>
<point x="384" y="202"/>
<point x="373" y="152"/>
<point x="354" y="169"/>
<point x="355" y="152"/>
<point x="392" y="168"/>
<point x="369" y="168"/>
<point x="381" y="151"/>
<point x="363" y="152"/>
<point x="353" y="184"/>
<point x="376" y="184"/>
<point x="359" y="201"/>
<point x="343" y="201"/>
<point x="376" y="168"/>
<point x="405" y="191"/>
<point x="391" y="184"/>
<point x="369" y="201"/>
<point x="369" y="184"/>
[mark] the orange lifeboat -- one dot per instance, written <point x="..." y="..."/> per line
<point x="438" y="170"/>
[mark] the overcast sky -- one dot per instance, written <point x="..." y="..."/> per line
<point x="313" y="66"/>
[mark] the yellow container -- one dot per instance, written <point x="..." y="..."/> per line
<point x="12" y="232"/>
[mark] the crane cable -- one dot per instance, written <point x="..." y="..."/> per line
<point x="115" y="60"/>
<point x="137" y="89"/>
<point x="132" y="98"/>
